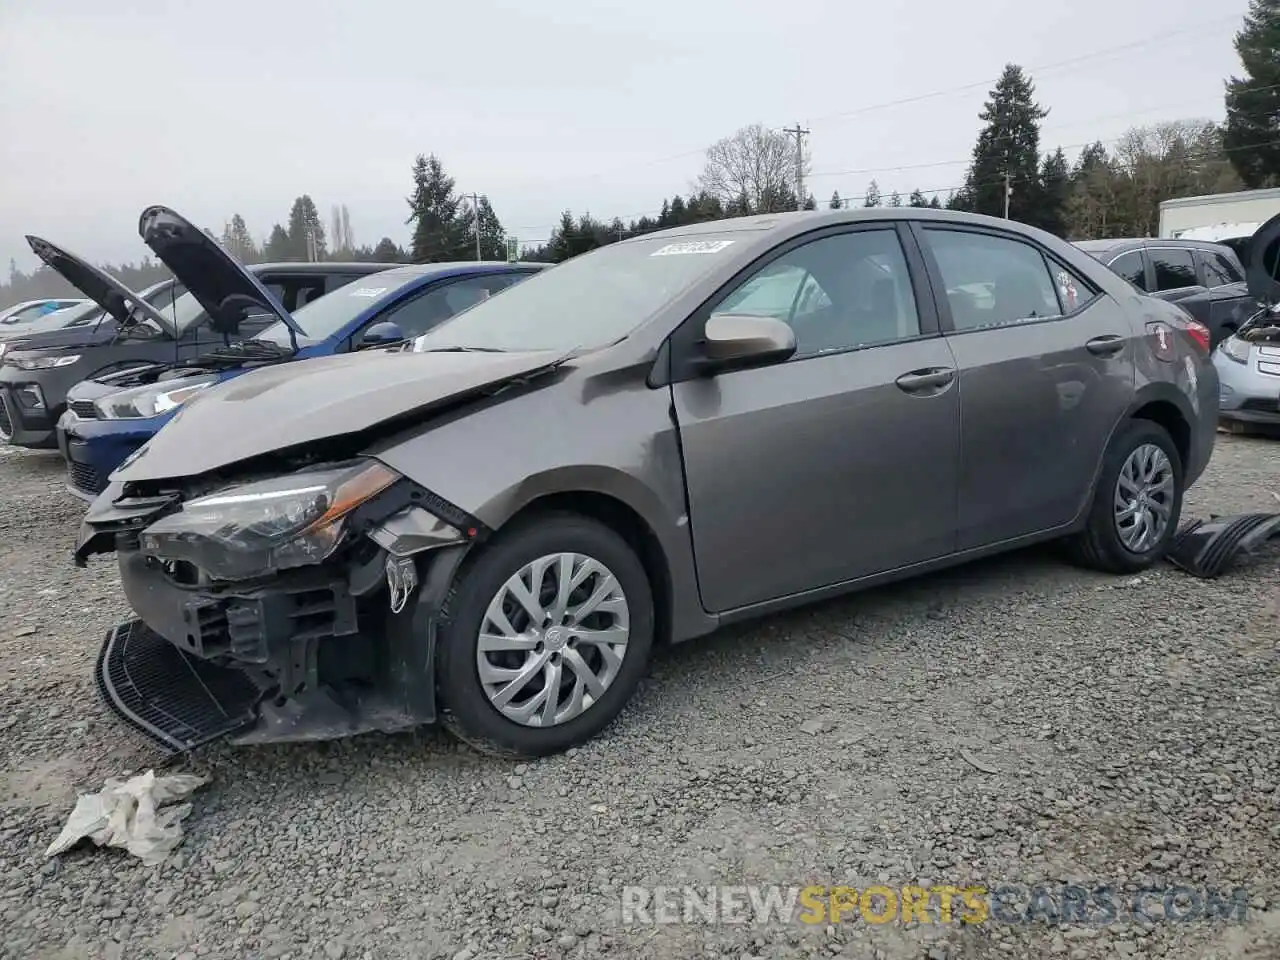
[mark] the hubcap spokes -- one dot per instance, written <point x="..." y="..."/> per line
<point x="1143" y="501"/>
<point x="553" y="639"/>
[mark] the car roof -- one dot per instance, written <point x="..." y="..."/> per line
<point x="774" y="227"/>
<point x="321" y="266"/>
<point x="1096" y="247"/>
<point x="460" y="268"/>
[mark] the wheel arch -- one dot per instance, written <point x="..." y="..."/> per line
<point x="617" y="501"/>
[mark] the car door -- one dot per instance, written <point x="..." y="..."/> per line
<point x="419" y="313"/>
<point x="841" y="461"/>
<point x="1046" y="370"/>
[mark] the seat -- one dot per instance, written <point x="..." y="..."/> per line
<point x="1017" y="296"/>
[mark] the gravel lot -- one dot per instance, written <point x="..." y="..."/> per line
<point x="1128" y="727"/>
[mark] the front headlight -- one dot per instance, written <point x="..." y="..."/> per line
<point x="46" y="363"/>
<point x="258" y="528"/>
<point x="1236" y="349"/>
<point x="138" y="403"/>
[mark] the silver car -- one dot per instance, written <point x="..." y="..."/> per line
<point x="1248" y="362"/>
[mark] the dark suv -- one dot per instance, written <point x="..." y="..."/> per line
<point x="163" y="325"/>
<point x="1206" y="279"/>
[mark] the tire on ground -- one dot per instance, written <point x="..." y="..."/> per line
<point x="1098" y="546"/>
<point x="465" y="708"/>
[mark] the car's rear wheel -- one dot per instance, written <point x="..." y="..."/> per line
<point x="1137" y="503"/>
<point x="544" y="637"/>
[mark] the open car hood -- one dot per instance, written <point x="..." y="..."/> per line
<point x="225" y="289"/>
<point x="292" y="404"/>
<point x="100" y="287"/>
<point x="1262" y="270"/>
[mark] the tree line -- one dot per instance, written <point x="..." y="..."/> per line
<point x="1108" y="190"/>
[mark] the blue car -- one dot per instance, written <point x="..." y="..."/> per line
<point x="109" y="418"/>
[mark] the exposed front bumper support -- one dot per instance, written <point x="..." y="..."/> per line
<point x="186" y="691"/>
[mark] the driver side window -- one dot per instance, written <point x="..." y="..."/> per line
<point x="416" y="316"/>
<point x="841" y="292"/>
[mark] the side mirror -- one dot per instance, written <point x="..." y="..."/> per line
<point x="734" y="340"/>
<point x="381" y="335"/>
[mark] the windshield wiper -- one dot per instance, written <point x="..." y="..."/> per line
<point x="461" y="349"/>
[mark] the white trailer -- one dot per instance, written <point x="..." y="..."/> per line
<point x="1219" y="216"/>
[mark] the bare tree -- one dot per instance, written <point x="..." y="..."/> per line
<point x="756" y="165"/>
<point x="348" y="238"/>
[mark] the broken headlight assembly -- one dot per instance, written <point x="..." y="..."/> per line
<point x="256" y="529"/>
<point x="1235" y="348"/>
<point x="138" y="403"/>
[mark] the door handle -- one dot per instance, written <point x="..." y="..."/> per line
<point x="927" y="379"/>
<point x="1105" y="346"/>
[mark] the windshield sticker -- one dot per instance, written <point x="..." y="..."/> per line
<point x="691" y="246"/>
<point x="370" y="292"/>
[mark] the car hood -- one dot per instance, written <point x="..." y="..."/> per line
<point x="298" y="403"/>
<point x="225" y="289"/>
<point x="1262" y="270"/>
<point x="89" y="335"/>
<point x="99" y="286"/>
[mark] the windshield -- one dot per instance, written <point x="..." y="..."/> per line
<point x="590" y="301"/>
<point x="325" y="316"/>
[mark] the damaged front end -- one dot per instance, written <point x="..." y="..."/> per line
<point x="283" y="607"/>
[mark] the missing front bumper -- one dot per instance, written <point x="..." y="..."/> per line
<point x="179" y="701"/>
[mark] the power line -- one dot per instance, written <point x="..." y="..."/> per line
<point x="1150" y="41"/>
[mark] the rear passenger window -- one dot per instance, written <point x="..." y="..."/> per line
<point x="1129" y="266"/>
<point x="992" y="281"/>
<point x="1218" y="270"/>
<point x="1174" y="268"/>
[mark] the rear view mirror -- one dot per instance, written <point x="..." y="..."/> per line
<point x="736" y="340"/>
<point x="381" y="335"/>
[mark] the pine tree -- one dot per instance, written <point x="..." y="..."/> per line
<point x="277" y="246"/>
<point x="934" y="203"/>
<point x="1055" y="189"/>
<point x="836" y="203"/>
<point x="872" y="198"/>
<point x="438" y="234"/>
<point x="493" y="244"/>
<point x="387" y="252"/>
<point x="306" y="232"/>
<point x="895" y="199"/>
<point x="238" y="241"/>
<point x="1253" y="101"/>
<point x="810" y="203"/>
<point x="917" y="199"/>
<point x="1008" y="147"/>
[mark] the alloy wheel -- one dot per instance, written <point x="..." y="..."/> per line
<point x="553" y="639"/>
<point x="1144" y="498"/>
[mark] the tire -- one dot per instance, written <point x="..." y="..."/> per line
<point x="1099" y="545"/>
<point x="466" y="710"/>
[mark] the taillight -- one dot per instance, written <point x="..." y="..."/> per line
<point x="1200" y="334"/>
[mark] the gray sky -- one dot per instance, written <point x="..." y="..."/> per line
<point x="593" y="105"/>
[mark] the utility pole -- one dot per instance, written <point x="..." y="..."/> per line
<point x="1008" y="193"/>
<point x="799" y="133"/>
<point x="475" y="207"/>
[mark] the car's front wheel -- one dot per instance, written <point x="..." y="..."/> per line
<point x="544" y="637"/>
<point x="1136" y="504"/>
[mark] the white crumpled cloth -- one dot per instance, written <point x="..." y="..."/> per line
<point x="127" y="814"/>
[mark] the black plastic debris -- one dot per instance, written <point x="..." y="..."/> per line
<point x="179" y="701"/>
<point x="1207" y="548"/>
